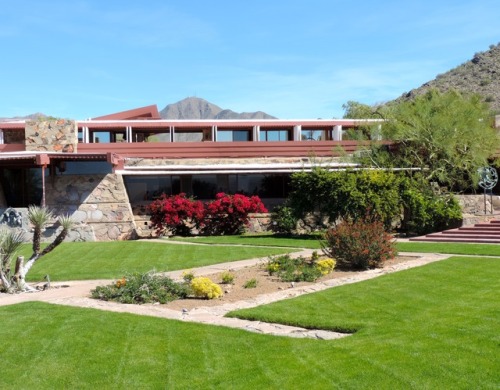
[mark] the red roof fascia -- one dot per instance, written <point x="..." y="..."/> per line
<point x="147" y="112"/>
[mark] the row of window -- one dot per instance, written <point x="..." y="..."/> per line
<point x="147" y="188"/>
<point x="23" y="186"/>
<point x="204" y="135"/>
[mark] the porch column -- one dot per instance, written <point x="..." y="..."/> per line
<point x="297" y="133"/>
<point x="1" y="137"/>
<point x="256" y="133"/>
<point x="85" y="134"/>
<point x="337" y="133"/>
<point x="128" y="133"/>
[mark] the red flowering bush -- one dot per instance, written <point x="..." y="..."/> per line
<point x="228" y="214"/>
<point x="360" y="244"/>
<point x="176" y="214"/>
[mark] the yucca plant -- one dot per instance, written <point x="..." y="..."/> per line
<point x="10" y="241"/>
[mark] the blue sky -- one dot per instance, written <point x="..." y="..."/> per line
<point x="291" y="59"/>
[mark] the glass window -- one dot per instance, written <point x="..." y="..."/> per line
<point x="233" y="135"/>
<point x="274" y="135"/>
<point x="147" y="188"/>
<point x="224" y="136"/>
<point x="85" y="167"/>
<point x="22" y="186"/>
<point x="313" y="135"/>
<point x="204" y="186"/>
<point x="240" y="135"/>
<point x="188" y="136"/>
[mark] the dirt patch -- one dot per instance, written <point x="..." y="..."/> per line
<point x="266" y="284"/>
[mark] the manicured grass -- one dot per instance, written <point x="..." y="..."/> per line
<point x="108" y="260"/>
<point x="432" y="327"/>
<point x="452" y="248"/>
<point x="303" y="241"/>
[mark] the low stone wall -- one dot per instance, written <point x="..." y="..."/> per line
<point x="473" y="208"/>
<point x="97" y="203"/>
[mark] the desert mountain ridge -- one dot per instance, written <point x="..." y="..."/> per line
<point x="197" y="108"/>
<point x="188" y="108"/>
<point x="480" y="75"/>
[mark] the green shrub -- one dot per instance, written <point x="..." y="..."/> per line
<point x="187" y="276"/>
<point x="227" y="277"/>
<point x="203" y="287"/>
<point x="283" y="220"/>
<point x="141" y="288"/>
<point x="250" y="283"/>
<point x="347" y="194"/>
<point x="359" y="245"/>
<point x="289" y="269"/>
<point x="426" y="211"/>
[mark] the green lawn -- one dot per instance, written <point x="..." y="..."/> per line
<point x="313" y="242"/>
<point x="303" y="241"/>
<point x="452" y="248"/>
<point x="431" y="327"/>
<point x="108" y="260"/>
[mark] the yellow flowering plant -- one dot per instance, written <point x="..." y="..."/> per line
<point x="203" y="287"/>
<point x="325" y="265"/>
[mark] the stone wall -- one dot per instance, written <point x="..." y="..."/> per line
<point x="51" y="136"/>
<point x="473" y="209"/>
<point x="98" y="203"/>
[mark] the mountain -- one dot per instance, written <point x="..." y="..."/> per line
<point x="196" y="108"/>
<point x="35" y="116"/>
<point x="480" y="75"/>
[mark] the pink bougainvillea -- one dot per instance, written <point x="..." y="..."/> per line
<point x="176" y="214"/>
<point x="229" y="214"/>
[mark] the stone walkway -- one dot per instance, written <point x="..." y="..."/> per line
<point x="76" y="293"/>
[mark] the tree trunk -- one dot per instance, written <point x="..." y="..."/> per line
<point x="5" y="281"/>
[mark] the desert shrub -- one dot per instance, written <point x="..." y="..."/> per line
<point x="229" y="214"/>
<point x="187" y="276"/>
<point x="426" y="211"/>
<point x="250" y="283"/>
<point x="176" y="214"/>
<point x="227" y="277"/>
<point x="325" y="266"/>
<point x="141" y="288"/>
<point x="203" y="287"/>
<point x="328" y="195"/>
<point x="359" y="244"/>
<point x="283" y="220"/>
<point x="289" y="269"/>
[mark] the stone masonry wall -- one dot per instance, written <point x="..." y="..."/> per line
<point x="59" y="135"/>
<point x="473" y="209"/>
<point x="98" y="203"/>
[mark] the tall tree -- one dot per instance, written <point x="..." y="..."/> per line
<point x="446" y="135"/>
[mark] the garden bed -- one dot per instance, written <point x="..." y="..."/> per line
<point x="266" y="284"/>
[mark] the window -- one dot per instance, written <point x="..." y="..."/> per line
<point x="233" y="135"/>
<point x="313" y="135"/>
<point x="22" y="186"/>
<point x="274" y="135"/>
<point x="188" y="136"/>
<point x="148" y="188"/>
<point x="85" y="167"/>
